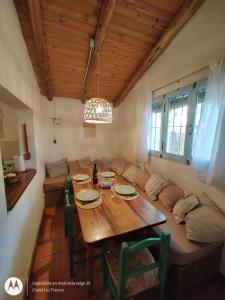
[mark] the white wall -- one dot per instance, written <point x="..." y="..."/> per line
<point x="69" y="134"/>
<point x="199" y="43"/>
<point x="18" y="228"/>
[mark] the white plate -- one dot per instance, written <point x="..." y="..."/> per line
<point x="87" y="195"/>
<point x="125" y="189"/>
<point x="80" y="177"/>
<point x="108" y="174"/>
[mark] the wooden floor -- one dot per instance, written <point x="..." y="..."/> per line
<point x="51" y="265"/>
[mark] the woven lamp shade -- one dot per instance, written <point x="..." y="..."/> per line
<point x="97" y="110"/>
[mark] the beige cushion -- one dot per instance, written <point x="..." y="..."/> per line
<point x="206" y="223"/>
<point x="54" y="183"/>
<point x="170" y="195"/>
<point x="183" y="206"/>
<point x="131" y="173"/>
<point x="154" y="186"/>
<point x="85" y="162"/>
<point x="204" y="199"/>
<point x="57" y="168"/>
<point x="142" y="178"/>
<point x="118" y="166"/>
<point x="134" y="285"/>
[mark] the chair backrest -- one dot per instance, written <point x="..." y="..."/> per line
<point x="69" y="220"/>
<point x="163" y="242"/>
<point x="68" y="183"/>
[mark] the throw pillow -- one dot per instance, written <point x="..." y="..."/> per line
<point x="131" y="173"/>
<point x="204" y="199"/>
<point x="205" y="224"/>
<point x="154" y="186"/>
<point x="184" y="206"/>
<point x="57" y="168"/>
<point x="170" y="195"/>
<point x="142" y="177"/>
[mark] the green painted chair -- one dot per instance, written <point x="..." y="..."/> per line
<point x="72" y="235"/>
<point x="131" y="269"/>
<point x="67" y="189"/>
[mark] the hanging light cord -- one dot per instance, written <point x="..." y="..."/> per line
<point x="98" y="76"/>
<point x="98" y="71"/>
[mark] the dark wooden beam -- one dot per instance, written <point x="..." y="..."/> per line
<point x="103" y="23"/>
<point x="37" y="26"/>
<point x="185" y="13"/>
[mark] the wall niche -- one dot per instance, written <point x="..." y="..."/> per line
<point x="17" y="146"/>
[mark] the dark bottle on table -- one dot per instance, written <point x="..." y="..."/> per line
<point x="95" y="175"/>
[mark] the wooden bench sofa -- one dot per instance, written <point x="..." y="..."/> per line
<point x="190" y="263"/>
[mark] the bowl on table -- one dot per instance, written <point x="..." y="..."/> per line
<point x="105" y="183"/>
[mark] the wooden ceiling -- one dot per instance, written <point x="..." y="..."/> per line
<point x="129" y="35"/>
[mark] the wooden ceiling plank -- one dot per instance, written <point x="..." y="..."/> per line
<point x="72" y="14"/>
<point x="129" y="11"/>
<point x="185" y="13"/>
<point x="134" y="24"/>
<point x="25" y="22"/>
<point x="150" y="10"/>
<point x="124" y="48"/>
<point x="53" y="19"/>
<point x="126" y="40"/>
<point x="36" y="21"/>
<point x="132" y="33"/>
<point x="103" y="23"/>
<point x="78" y="5"/>
<point x="73" y="31"/>
<point x="167" y="5"/>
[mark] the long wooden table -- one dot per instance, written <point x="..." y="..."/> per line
<point x="114" y="217"/>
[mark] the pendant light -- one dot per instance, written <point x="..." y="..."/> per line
<point x="97" y="110"/>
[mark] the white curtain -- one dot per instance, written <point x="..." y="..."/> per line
<point x="143" y="117"/>
<point x="209" y="151"/>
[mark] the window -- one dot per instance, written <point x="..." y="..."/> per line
<point x="200" y="97"/>
<point x="175" y="121"/>
<point x="176" y="124"/>
<point x="156" y="130"/>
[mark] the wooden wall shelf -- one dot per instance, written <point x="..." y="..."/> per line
<point x="15" y="190"/>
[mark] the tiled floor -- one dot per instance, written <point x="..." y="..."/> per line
<point x="51" y="266"/>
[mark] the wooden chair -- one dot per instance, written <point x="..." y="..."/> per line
<point x="67" y="189"/>
<point x="131" y="269"/>
<point x="72" y="235"/>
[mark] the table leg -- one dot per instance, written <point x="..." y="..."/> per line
<point x="90" y="268"/>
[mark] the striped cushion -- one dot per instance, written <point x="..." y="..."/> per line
<point x="154" y="186"/>
<point x="131" y="173"/>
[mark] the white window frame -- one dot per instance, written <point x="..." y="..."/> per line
<point x="158" y="100"/>
<point x="192" y="102"/>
